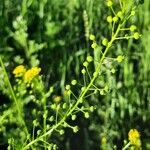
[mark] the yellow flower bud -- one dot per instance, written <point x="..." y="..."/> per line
<point x="31" y="73"/>
<point x="19" y="70"/>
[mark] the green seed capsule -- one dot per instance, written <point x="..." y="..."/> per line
<point x="73" y="117"/>
<point x="75" y="129"/>
<point x="64" y="106"/>
<point x="136" y="35"/>
<point x="132" y="12"/>
<point x="94" y="45"/>
<point x="61" y="132"/>
<point x="92" y="37"/>
<point x="115" y="19"/>
<point x="86" y="115"/>
<point x="120" y="58"/>
<point x="105" y="42"/>
<point x="89" y="58"/>
<point x="120" y="14"/>
<point x="113" y="70"/>
<point x="67" y="87"/>
<point x="91" y="108"/>
<point x="85" y="64"/>
<point x="74" y="82"/>
<point x="109" y="19"/>
<point x="133" y="28"/>
<point x="83" y="71"/>
<point x="109" y="3"/>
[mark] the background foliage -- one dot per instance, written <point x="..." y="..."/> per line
<point x="54" y="34"/>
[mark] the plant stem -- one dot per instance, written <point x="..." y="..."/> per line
<point x="14" y="97"/>
<point x="120" y="3"/>
<point x="9" y="86"/>
<point x="44" y="119"/>
<point x="82" y="95"/>
<point x="126" y="146"/>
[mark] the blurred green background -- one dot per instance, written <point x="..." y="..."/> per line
<point x="54" y="34"/>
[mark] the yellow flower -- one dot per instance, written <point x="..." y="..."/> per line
<point x="57" y="99"/>
<point x="19" y="70"/>
<point x="103" y="140"/>
<point x="31" y="73"/>
<point x="134" y="138"/>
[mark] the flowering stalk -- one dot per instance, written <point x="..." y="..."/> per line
<point x="80" y="98"/>
<point x="29" y="80"/>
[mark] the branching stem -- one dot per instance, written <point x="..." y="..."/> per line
<point x="68" y="113"/>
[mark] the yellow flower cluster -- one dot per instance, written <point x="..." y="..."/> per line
<point x="27" y="75"/>
<point x="31" y="73"/>
<point x="19" y="70"/>
<point x="134" y="138"/>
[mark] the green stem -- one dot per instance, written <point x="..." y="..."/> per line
<point x="120" y="3"/>
<point x="44" y="120"/>
<point x="113" y="11"/>
<point x="13" y="96"/>
<point x="24" y="7"/>
<point x="97" y="71"/>
<point x="126" y="38"/>
<point x="82" y="95"/>
<point x="126" y="146"/>
<point x="10" y="87"/>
